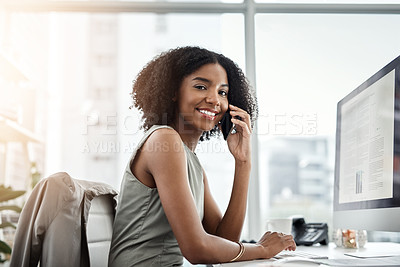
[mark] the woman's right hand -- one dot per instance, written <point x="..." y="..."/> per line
<point x="274" y="242"/>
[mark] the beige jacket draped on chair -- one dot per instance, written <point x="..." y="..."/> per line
<point x="52" y="226"/>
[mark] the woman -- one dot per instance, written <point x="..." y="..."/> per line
<point x="165" y="207"/>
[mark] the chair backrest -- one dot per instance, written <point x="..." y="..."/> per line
<point x="60" y="226"/>
<point x="99" y="229"/>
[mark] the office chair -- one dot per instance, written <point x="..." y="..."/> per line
<point x="65" y="222"/>
<point x="99" y="230"/>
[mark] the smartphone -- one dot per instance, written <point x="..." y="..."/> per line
<point x="227" y="126"/>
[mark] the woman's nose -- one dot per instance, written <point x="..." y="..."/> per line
<point x="212" y="97"/>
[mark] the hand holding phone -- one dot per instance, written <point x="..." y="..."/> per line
<point x="237" y="122"/>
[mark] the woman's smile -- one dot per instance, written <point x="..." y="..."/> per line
<point x="207" y="113"/>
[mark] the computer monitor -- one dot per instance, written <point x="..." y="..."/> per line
<point x="367" y="166"/>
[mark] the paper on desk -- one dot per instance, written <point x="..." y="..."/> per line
<point x="363" y="262"/>
<point x="376" y="254"/>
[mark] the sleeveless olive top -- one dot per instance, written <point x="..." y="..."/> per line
<point x="142" y="235"/>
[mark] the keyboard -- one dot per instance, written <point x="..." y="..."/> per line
<point x="288" y="254"/>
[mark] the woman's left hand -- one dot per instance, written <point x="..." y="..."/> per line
<point x="239" y="143"/>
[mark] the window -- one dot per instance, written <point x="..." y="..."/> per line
<point x="305" y="64"/>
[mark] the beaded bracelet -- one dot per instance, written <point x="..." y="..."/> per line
<point x="241" y="252"/>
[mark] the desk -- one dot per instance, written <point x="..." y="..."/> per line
<point x="333" y="252"/>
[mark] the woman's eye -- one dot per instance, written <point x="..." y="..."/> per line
<point x="200" y="87"/>
<point x="223" y="93"/>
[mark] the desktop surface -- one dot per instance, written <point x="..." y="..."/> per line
<point x="371" y="249"/>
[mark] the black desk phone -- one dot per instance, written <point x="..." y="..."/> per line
<point x="309" y="233"/>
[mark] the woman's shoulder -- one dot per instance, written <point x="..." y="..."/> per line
<point x="163" y="132"/>
<point x="162" y="153"/>
<point x="162" y="139"/>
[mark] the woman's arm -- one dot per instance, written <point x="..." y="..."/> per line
<point x="165" y="159"/>
<point x="230" y="225"/>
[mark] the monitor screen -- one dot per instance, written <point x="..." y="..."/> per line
<point x="367" y="167"/>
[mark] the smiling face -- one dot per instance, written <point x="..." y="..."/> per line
<point x="202" y="98"/>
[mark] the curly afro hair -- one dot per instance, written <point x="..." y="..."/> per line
<point x="158" y="82"/>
